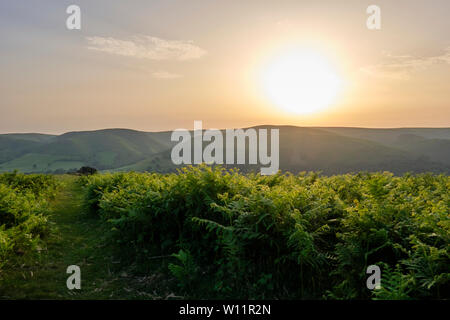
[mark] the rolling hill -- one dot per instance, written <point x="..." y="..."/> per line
<point x="330" y="150"/>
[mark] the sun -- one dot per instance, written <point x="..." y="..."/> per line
<point x="301" y="82"/>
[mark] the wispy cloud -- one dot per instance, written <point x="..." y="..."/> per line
<point x="147" y="47"/>
<point x="401" y="67"/>
<point x="166" y="75"/>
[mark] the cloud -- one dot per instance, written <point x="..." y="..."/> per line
<point x="166" y="75"/>
<point x="147" y="47"/>
<point x="401" y="67"/>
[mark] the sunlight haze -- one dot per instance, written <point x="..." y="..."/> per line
<point x="160" y="65"/>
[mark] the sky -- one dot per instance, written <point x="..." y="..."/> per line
<point x="160" y="65"/>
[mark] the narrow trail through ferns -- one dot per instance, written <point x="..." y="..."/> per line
<point x="76" y="239"/>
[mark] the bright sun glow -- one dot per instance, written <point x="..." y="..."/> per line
<point x="301" y="82"/>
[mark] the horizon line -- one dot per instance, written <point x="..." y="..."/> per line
<point x="247" y="127"/>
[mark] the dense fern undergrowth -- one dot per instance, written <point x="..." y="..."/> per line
<point x="224" y="234"/>
<point x="24" y="210"/>
<point x="305" y="236"/>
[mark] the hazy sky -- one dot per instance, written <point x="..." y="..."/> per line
<point x="160" y="65"/>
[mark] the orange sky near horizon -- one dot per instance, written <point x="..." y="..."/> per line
<point x="160" y="65"/>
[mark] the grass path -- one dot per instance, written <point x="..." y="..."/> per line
<point x="76" y="240"/>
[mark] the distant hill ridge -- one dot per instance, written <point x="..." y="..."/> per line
<point x="331" y="150"/>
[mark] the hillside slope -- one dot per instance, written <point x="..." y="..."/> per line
<point x="330" y="150"/>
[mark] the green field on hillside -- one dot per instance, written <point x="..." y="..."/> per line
<point x="40" y="163"/>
